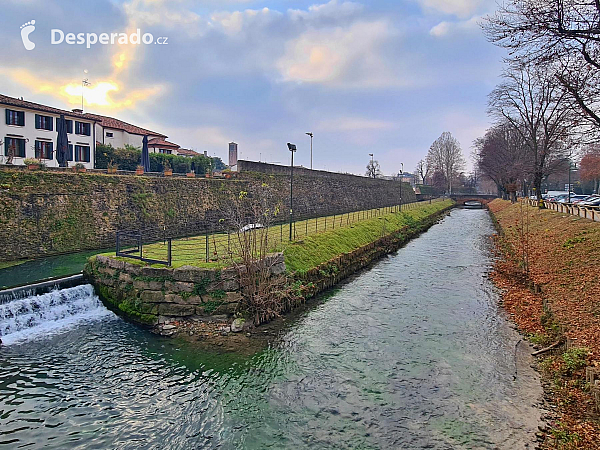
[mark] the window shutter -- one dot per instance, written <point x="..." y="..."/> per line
<point x="50" y="150"/>
<point x="37" y="121"/>
<point x="21" y="118"/>
<point x="7" y="116"/>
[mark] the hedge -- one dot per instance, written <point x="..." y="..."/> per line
<point x="129" y="158"/>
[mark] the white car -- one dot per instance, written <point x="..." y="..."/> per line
<point x="251" y="226"/>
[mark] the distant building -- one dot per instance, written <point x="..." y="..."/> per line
<point x="187" y="153"/>
<point x="159" y="145"/>
<point x="233" y="155"/>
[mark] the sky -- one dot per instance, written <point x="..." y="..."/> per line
<point x="381" y="77"/>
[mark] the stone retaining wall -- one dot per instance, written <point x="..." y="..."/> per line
<point x="151" y="295"/>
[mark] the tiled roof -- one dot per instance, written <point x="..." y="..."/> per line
<point x="6" y="100"/>
<point x="185" y="151"/>
<point x="158" y="142"/>
<point x="116" y="124"/>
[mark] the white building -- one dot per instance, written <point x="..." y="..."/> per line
<point x="114" y="132"/>
<point x="29" y="130"/>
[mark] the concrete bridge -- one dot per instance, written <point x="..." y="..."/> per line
<point x="482" y="199"/>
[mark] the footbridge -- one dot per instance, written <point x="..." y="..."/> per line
<point x="472" y="199"/>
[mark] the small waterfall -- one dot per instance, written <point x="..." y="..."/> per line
<point x="38" y="316"/>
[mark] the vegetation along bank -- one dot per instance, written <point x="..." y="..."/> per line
<point x="548" y="270"/>
<point x="253" y="292"/>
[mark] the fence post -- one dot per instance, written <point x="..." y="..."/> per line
<point x="118" y="243"/>
<point x="140" y="244"/>
<point x="206" y="245"/>
<point x="334" y="221"/>
<point x="169" y="252"/>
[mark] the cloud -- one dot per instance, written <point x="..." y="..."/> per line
<point x="332" y="11"/>
<point x="350" y="56"/>
<point x="444" y="28"/>
<point x="345" y="124"/>
<point x="459" y="8"/>
<point x="232" y="23"/>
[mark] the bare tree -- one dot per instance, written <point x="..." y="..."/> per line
<point x="502" y="156"/>
<point x="373" y="169"/>
<point x="266" y="293"/>
<point x="445" y="156"/>
<point x="541" y="112"/>
<point x="422" y="170"/>
<point x="563" y="37"/>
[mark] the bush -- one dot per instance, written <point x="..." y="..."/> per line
<point x="575" y="358"/>
<point x="129" y="158"/>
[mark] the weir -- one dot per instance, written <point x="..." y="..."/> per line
<point x="35" y="316"/>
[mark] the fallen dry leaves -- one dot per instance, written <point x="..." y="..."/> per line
<point x="560" y="254"/>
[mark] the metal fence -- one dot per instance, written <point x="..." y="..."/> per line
<point x="159" y="246"/>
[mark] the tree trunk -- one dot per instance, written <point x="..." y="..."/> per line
<point x="537" y="183"/>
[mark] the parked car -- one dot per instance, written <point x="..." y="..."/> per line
<point x="251" y="226"/>
<point x="594" y="201"/>
<point x="581" y="198"/>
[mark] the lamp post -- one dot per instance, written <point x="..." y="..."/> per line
<point x="292" y="149"/>
<point x="311" y="142"/>
<point x="571" y="167"/>
<point x="401" y="176"/>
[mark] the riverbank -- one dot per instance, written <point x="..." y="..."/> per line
<point x="204" y="301"/>
<point x="548" y="271"/>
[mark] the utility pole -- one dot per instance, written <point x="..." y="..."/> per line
<point x="401" y="176"/>
<point x="311" y="148"/>
<point x="292" y="149"/>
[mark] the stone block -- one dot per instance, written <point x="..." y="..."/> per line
<point x="115" y="264"/>
<point x="232" y="297"/>
<point x="125" y="277"/>
<point x="107" y="271"/>
<point x="102" y="259"/>
<point x="173" y="298"/>
<point x="148" y="308"/>
<point x="156" y="272"/>
<point x="148" y="285"/>
<point x="277" y="269"/>
<point x="152" y="296"/>
<point x="132" y="269"/>
<point x="230" y="284"/>
<point x="173" y="309"/>
<point x="179" y="286"/>
<point x="193" y="274"/>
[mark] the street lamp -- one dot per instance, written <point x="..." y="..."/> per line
<point x="571" y="167"/>
<point x="292" y="149"/>
<point x="401" y="176"/>
<point x="311" y="140"/>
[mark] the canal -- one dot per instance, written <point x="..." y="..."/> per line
<point x="412" y="353"/>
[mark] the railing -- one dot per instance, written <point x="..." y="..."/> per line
<point x="587" y="212"/>
<point x="131" y="245"/>
<point x="211" y="245"/>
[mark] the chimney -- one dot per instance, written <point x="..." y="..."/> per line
<point x="78" y="111"/>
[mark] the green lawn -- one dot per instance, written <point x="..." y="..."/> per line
<point x="315" y="240"/>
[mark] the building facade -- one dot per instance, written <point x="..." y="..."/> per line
<point x="28" y="131"/>
<point x="118" y="134"/>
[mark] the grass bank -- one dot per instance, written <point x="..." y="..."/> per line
<point x="549" y="273"/>
<point x="317" y="249"/>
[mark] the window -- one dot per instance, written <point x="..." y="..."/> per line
<point x="82" y="128"/>
<point x="82" y="153"/>
<point x="43" y="122"/>
<point x="18" y="146"/>
<point x="43" y="149"/>
<point x="15" y="118"/>
<point x="165" y="151"/>
<point x="109" y="134"/>
<point x="70" y="153"/>
<point x="69" y="125"/>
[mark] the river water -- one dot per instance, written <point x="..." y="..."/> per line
<point x="412" y="353"/>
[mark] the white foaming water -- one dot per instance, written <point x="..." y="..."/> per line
<point x="44" y="315"/>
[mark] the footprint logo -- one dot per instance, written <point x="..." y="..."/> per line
<point x="26" y="30"/>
